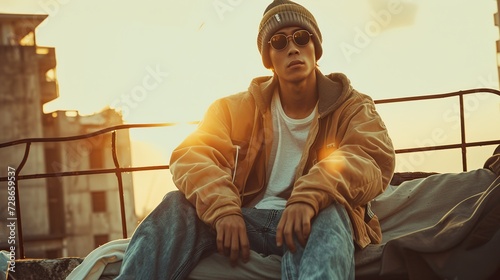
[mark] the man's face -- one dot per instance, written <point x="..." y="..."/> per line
<point x="294" y="62"/>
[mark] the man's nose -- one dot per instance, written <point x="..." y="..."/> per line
<point x="293" y="49"/>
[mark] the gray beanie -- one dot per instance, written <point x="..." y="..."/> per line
<point x="284" y="13"/>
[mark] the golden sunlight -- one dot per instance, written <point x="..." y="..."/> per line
<point x="166" y="61"/>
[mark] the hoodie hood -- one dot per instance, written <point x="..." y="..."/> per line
<point x="333" y="89"/>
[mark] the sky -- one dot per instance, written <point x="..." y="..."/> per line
<point x="166" y="61"/>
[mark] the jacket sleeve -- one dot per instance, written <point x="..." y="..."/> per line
<point x="201" y="167"/>
<point x="360" y="166"/>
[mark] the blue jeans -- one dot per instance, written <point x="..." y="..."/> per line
<point x="171" y="240"/>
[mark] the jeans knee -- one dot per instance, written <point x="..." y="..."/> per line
<point x="174" y="198"/>
<point x="172" y="202"/>
<point x="173" y="195"/>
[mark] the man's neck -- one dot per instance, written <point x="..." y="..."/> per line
<point x="299" y="99"/>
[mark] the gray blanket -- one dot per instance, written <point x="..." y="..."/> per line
<point x="441" y="227"/>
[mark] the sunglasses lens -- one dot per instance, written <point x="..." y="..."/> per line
<point x="279" y="41"/>
<point x="301" y="37"/>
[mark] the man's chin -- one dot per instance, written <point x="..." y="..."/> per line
<point x="297" y="77"/>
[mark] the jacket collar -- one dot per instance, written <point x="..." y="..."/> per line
<point x="333" y="89"/>
<point x="262" y="88"/>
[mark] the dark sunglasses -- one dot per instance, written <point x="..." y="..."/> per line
<point x="299" y="37"/>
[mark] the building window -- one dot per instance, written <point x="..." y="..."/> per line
<point x="100" y="239"/>
<point x="96" y="157"/>
<point x="99" y="201"/>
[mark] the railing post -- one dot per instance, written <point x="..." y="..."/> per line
<point x="120" y="184"/>
<point x="20" y="248"/>
<point x="462" y="132"/>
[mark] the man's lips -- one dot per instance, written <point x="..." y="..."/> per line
<point x="295" y="62"/>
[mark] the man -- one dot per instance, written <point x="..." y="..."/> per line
<point x="288" y="167"/>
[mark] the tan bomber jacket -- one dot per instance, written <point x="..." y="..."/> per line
<point x="349" y="157"/>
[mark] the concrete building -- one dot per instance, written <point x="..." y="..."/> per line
<point x="88" y="213"/>
<point x="63" y="216"/>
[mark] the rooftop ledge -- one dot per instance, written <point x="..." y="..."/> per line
<point x="37" y="269"/>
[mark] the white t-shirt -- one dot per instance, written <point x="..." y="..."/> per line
<point x="289" y="140"/>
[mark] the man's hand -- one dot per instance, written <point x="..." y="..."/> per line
<point x="232" y="238"/>
<point x="296" y="219"/>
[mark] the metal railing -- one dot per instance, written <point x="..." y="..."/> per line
<point x="463" y="145"/>
<point x="118" y="170"/>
